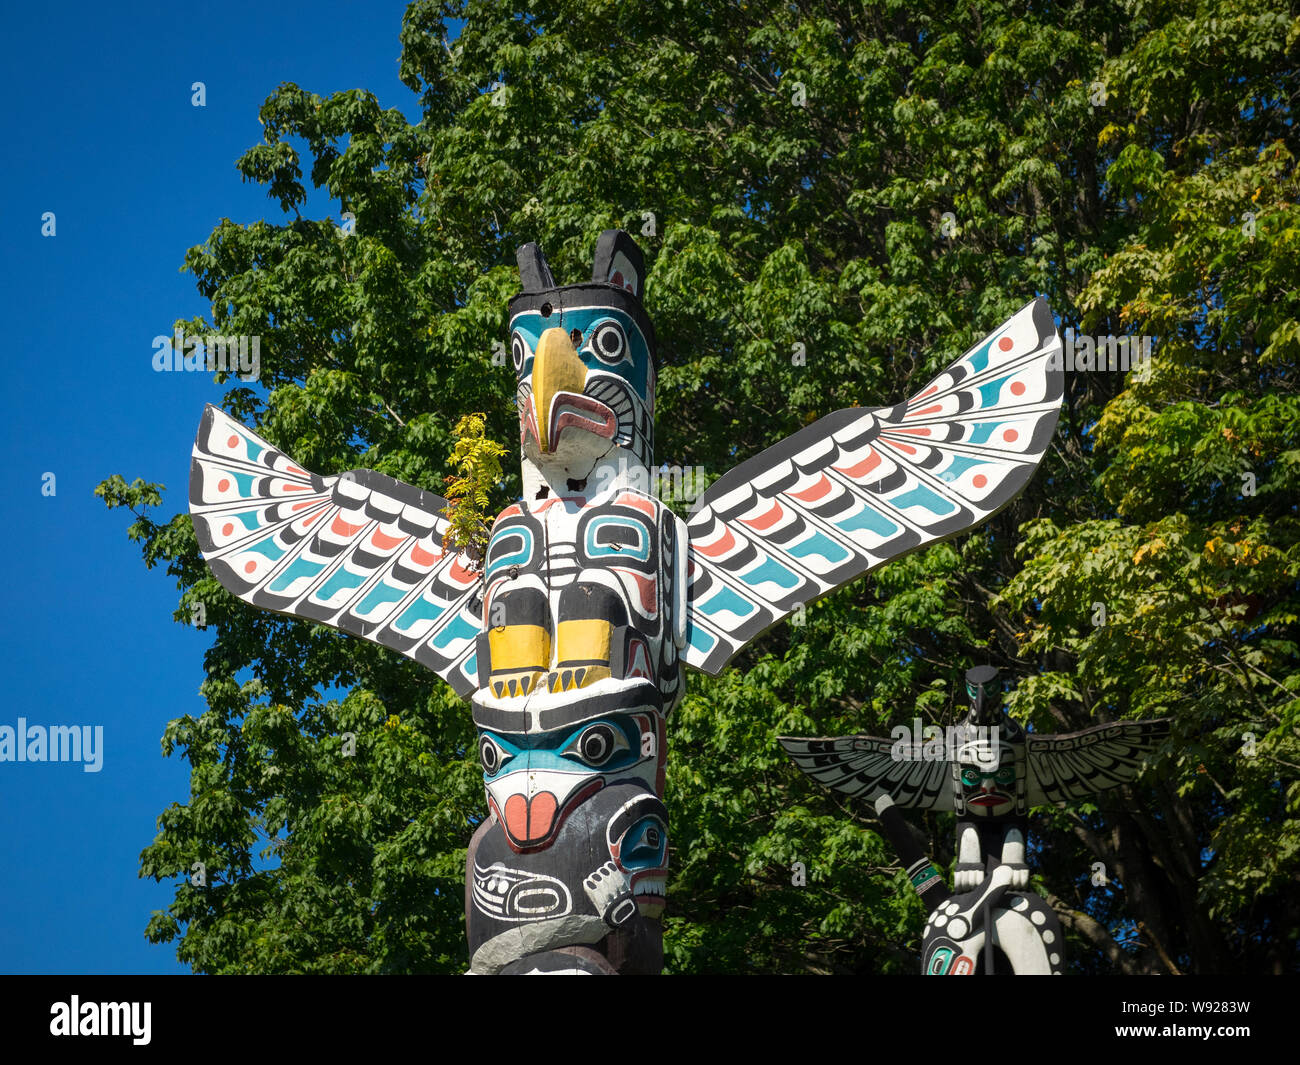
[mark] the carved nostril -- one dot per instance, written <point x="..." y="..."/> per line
<point x="575" y="335"/>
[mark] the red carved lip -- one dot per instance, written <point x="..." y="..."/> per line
<point x="988" y="800"/>
<point x="532" y="824"/>
<point x="571" y="410"/>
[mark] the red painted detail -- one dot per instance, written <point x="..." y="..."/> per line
<point x="765" y="521"/>
<point x="227" y="529"/>
<point x="1017" y="388"/>
<point x="233" y="441"/>
<point x="907" y="449"/>
<point x="926" y="410"/>
<point x="647" y="587"/>
<point x="920" y="430"/>
<point x="1006" y="343"/>
<point x="304" y="503"/>
<point x="512" y="511"/>
<point x="814" y="491"/>
<point x="384" y="542"/>
<point x="1011" y="436"/>
<point x="641" y="503"/>
<point x="300" y="473"/>
<point x="249" y="567"/>
<point x="581" y="412"/>
<point x="932" y="388"/>
<point x="297" y="488"/>
<point x="421" y="557"/>
<point x="963" y="966"/>
<point x="223" y="485"/>
<point x="539" y="820"/>
<point x="979" y="480"/>
<point x="616" y="278"/>
<point x="719" y="549"/>
<point x="318" y="514"/>
<point x="862" y="468"/>
<point x="342" y="528"/>
<point x="639" y="660"/>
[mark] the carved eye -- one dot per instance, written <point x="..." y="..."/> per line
<point x="518" y="352"/>
<point x="491" y="754"/>
<point x="1006" y="775"/>
<point x="597" y="744"/>
<point x="609" y="343"/>
<point x="970" y="777"/>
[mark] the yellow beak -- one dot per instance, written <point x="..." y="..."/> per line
<point x="556" y="368"/>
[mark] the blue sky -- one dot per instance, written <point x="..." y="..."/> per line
<point x="100" y="130"/>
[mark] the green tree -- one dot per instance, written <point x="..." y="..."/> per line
<point x="835" y="200"/>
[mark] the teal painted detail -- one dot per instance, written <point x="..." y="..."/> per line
<point x="500" y="558"/>
<point x="244" y="481"/>
<point x="979" y="360"/>
<point x="251" y="448"/>
<point x="980" y="432"/>
<point x="870" y="519"/>
<point x="299" y="567"/>
<point x="773" y="571"/>
<point x="381" y="593"/>
<point x="420" y="610"/>
<point x="269" y="548"/>
<point x="959" y="465"/>
<point x="250" y="519"/>
<point x="920" y="496"/>
<point x="819" y="544"/>
<point x="340" y="579"/>
<point x="698" y="638"/>
<point x="640" y="550"/>
<point x="990" y="391"/>
<point x="461" y="628"/>
<point x="726" y="599"/>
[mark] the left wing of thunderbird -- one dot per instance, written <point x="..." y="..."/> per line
<point x="359" y="551"/>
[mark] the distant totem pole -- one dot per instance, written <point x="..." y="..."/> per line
<point x="990" y="772"/>
<point x="571" y="641"/>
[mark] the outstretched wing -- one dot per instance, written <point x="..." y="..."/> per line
<point x="862" y="765"/>
<point x="360" y="551"/>
<point x="1078" y="765"/>
<point x="861" y="487"/>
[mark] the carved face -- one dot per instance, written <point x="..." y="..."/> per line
<point x="534" y="781"/>
<point x="584" y="358"/>
<point x="988" y="793"/>
<point x="582" y="370"/>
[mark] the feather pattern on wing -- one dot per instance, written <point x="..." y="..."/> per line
<point x="359" y="551"/>
<point x="1077" y="765"/>
<point x="864" y="765"/>
<point x="862" y="487"/>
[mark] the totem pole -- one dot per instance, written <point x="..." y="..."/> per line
<point x="571" y="643"/>
<point x="990" y="772"/>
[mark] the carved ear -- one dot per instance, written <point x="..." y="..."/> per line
<point x="619" y="262"/>
<point x="534" y="274"/>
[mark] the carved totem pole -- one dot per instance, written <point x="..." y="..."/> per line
<point x="571" y="643"/>
<point x="995" y="772"/>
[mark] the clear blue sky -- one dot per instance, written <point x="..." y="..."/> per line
<point x="99" y="128"/>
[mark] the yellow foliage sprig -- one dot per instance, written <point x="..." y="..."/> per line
<point x="477" y="461"/>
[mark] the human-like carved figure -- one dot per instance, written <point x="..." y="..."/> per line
<point x="998" y="773"/>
